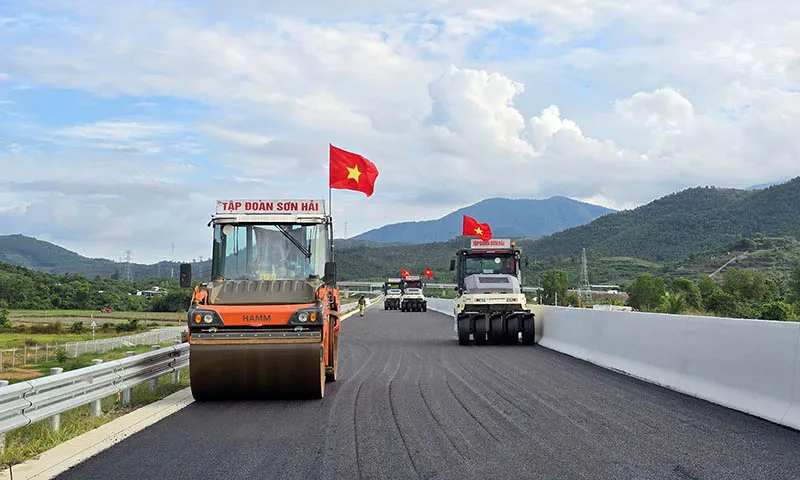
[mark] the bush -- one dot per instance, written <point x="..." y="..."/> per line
<point x="131" y="326"/>
<point x="776" y="311"/>
<point x="61" y="356"/>
<point x="5" y="322"/>
<point x="31" y="342"/>
<point x="50" y="328"/>
<point x="77" y="327"/>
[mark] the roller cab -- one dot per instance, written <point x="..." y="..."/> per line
<point x="267" y="324"/>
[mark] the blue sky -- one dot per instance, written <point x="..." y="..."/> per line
<point x="120" y="125"/>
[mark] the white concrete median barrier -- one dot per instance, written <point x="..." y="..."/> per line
<point x="748" y="365"/>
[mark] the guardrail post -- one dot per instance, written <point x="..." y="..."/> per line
<point x="95" y="408"/>
<point x="176" y="374"/>
<point x="154" y="382"/>
<point x="3" y="383"/>
<point x="126" y="394"/>
<point x="55" y="420"/>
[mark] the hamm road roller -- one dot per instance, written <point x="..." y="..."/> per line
<point x="267" y="324"/>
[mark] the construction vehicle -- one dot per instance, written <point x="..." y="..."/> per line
<point x="412" y="299"/>
<point x="392" y="294"/>
<point x="491" y="306"/>
<point x="267" y="324"/>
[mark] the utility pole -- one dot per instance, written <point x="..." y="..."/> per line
<point x="584" y="290"/>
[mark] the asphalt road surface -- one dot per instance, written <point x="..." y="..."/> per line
<point x="412" y="403"/>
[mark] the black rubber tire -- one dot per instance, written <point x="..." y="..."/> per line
<point x="496" y="326"/>
<point x="512" y="330"/>
<point x="528" y="330"/>
<point x="463" y="330"/>
<point x="480" y="330"/>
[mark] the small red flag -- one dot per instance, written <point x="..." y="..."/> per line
<point x="428" y="273"/>
<point x="474" y="229"/>
<point x="405" y="273"/>
<point x="351" y="171"/>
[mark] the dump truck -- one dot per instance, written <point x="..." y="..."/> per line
<point x="392" y="294"/>
<point x="267" y="323"/>
<point x="491" y="307"/>
<point x="412" y="299"/>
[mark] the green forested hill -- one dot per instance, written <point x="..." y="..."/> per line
<point x="46" y="257"/>
<point x="680" y="224"/>
<point x="685" y="232"/>
<point x="28" y="289"/>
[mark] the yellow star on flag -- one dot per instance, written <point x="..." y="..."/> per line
<point x="353" y="173"/>
<point x="479" y="231"/>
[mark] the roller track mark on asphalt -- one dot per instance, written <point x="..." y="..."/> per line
<point x="469" y="412"/>
<point x="395" y="415"/>
<point x="439" y="422"/>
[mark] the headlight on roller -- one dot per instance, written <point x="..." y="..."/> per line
<point x="306" y="316"/>
<point x="201" y="317"/>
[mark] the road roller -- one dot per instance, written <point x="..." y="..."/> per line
<point x="266" y="325"/>
<point x="491" y="305"/>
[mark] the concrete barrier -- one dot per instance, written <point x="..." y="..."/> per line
<point x="792" y="417"/>
<point x="748" y="365"/>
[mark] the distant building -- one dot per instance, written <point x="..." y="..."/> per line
<point x="152" y="292"/>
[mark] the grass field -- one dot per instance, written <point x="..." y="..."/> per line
<point x="42" y="368"/>
<point x="86" y="316"/>
<point x="18" y="340"/>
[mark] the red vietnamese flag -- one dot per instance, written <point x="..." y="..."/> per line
<point x="428" y="273"/>
<point x="351" y="171"/>
<point x="405" y="273"/>
<point x="474" y="229"/>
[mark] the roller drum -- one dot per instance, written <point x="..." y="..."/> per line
<point x="257" y="371"/>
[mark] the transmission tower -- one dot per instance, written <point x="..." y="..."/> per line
<point x="584" y="290"/>
<point x="127" y="272"/>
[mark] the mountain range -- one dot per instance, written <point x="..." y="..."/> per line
<point x="513" y="218"/>
<point x="697" y="226"/>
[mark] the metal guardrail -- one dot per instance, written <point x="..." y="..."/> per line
<point x="348" y="307"/>
<point x="27" y="402"/>
<point x="12" y="357"/>
<point x="30" y="401"/>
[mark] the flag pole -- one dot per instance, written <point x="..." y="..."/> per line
<point x="330" y="201"/>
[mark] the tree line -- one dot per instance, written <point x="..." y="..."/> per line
<point x="741" y="293"/>
<point x="21" y="288"/>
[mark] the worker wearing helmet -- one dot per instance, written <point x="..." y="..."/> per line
<point x="362" y="303"/>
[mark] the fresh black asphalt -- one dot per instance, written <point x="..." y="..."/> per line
<point x="411" y="403"/>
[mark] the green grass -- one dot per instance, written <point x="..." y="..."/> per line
<point x="94" y="313"/>
<point x="28" y="442"/>
<point x="18" y="340"/>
